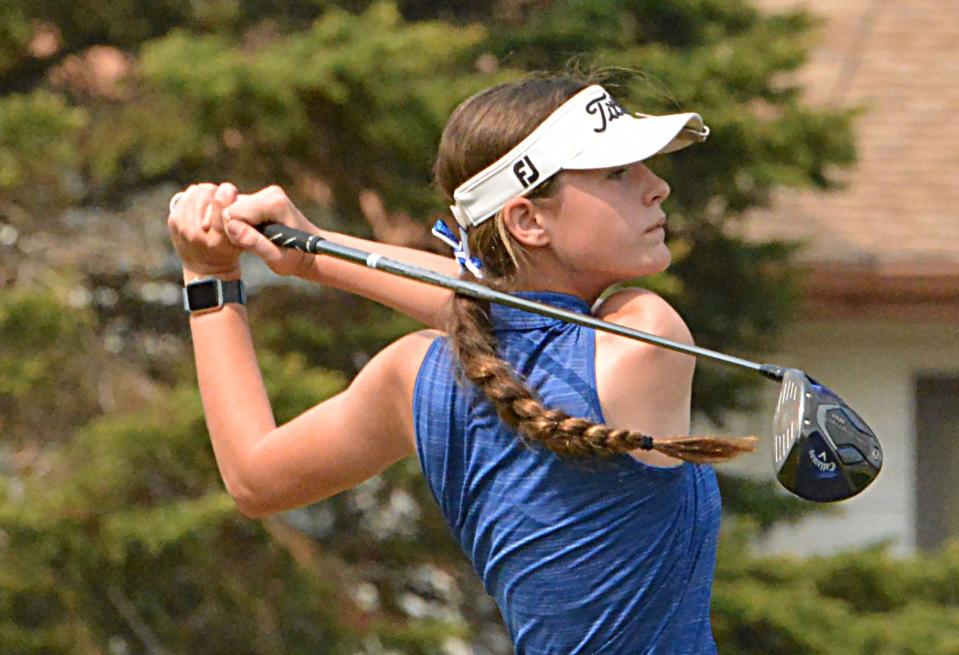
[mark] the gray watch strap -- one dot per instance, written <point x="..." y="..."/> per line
<point x="210" y="294"/>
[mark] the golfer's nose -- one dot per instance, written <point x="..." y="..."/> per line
<point x="656" y="189"/>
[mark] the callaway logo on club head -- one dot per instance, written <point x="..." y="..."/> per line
<point x="821" y="461"/>
<point x="525" y="172"/>
<point x="607" y="109"/>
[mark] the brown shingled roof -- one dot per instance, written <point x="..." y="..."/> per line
<point x="898" y="216"/>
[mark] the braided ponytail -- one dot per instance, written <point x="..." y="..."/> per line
<point x="479" y="131"/>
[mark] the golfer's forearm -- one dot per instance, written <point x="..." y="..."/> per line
<point x="237" y="409"/>
<point x="423" y="302"/>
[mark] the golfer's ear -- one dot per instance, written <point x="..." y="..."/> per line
<point x="524" y="222"/>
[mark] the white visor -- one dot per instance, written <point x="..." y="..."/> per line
<point x="589" y="131"/>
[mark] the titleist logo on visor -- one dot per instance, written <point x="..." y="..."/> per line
<point x="607" y="109"/>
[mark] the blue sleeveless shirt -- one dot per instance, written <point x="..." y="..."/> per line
<point x="596" y="556"/>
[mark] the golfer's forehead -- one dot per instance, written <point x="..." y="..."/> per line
<point x="592" y="175"/>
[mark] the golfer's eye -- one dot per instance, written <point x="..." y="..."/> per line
<point x="618" y="173"/>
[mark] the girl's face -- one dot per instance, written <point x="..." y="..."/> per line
<point x="607" y="225"/>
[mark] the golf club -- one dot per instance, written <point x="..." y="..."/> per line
<point x="823" y="450"/>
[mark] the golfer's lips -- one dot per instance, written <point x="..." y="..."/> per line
<point x="661" y="223"/>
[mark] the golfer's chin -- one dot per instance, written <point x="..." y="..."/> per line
<point x="655" y="260"/>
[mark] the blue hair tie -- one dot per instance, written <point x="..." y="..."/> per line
<point x="460" y="248"/>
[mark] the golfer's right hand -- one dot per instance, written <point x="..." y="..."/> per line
<point x="267" y="205"/>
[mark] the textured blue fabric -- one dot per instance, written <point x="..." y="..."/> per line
<point x="581" y="557"/>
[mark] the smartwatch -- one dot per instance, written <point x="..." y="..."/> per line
<point x="210" y="294"/>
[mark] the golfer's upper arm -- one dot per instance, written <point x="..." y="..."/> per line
<point x="340" y="442"/>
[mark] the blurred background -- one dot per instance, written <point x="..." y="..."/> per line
<point x="817" y="228"/>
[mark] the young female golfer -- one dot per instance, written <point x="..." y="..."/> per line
<point x="592" y="539"/>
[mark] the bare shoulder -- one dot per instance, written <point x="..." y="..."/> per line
<point x="641" y="386"/>
<point x="403" y="357"/>
<point x="379" y="400"/>
<point x="645" y="310"/>
<point x="392" y="372"/>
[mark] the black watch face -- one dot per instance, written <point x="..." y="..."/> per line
<point x="202" y="295"/>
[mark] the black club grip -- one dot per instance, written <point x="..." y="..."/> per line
<point x="290" y="237"/>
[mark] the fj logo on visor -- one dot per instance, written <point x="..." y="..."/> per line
<point x="525" y="172"/>
<point x="607" y="108"/>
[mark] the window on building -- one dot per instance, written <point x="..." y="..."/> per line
<point x="937" y="460"/>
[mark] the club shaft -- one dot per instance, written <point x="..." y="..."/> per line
<point x="314" y="244"/>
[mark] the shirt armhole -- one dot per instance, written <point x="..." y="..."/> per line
<point x="420" y="397"/>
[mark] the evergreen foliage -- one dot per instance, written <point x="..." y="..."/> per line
<point x="853" y="603"/>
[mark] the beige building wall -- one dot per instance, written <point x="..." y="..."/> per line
<point x="873" y="366"/>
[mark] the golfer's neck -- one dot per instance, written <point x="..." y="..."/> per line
<point x="550" y="276"/>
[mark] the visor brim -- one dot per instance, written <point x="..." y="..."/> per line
<point x="640" y="139"/>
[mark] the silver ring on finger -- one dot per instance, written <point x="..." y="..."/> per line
<point x="177" y="197"/>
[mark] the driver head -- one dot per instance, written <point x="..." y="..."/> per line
<point x="823" y="450"/>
